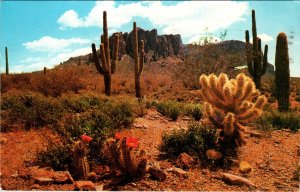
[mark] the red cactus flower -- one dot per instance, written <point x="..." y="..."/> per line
<point x="86" y="138"/>
<point x="118" y="136"/>
<point x="132" y="142"/>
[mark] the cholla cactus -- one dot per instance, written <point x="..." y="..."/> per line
<point x="131" y="166"/>
<point x="230" y="104"/>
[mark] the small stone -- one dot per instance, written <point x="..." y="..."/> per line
<point x="245" y="167"/>
<point x="35" y="186"/>
<point x="91" y="176"/>
<point x="236" y="180"/>
<point x="63" y="177"/>
<point x="85" y="186"/>
<point x="99" y="187"/>
<point x="213" y="154"/>
<point x="255" y="134"/>
<point x="145" y="126"/>
<point x="15" y="174"/>
<point x="157" y="173"/>
<point x="179" y="172"/>
<point x="185" y="161"/>
<point x="3" y="140"/>
<point x="42" y="180"/>
<point x="186" y="118"/>
<point x="137" y="125"/>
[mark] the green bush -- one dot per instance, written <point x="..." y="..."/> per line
<point x="194" y="141"/>
<point x="58" y="157"/>
<point x="194" y="110"/>
<point x="32" y="109"/>
<point x="279" y="120"/>
<point x="170" y="109"/>
<point x="121" y="115"/>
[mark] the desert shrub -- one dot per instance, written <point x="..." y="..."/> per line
<point x="194" y="141"/>
<point x="57" y="156"/>
<point x="54" y="83"/>
<point x="57" y="82"/>
<point x="93" y="123"/>
<point x="279" y="120"/>
<point x="169" y="108"/>
<point x="297" y="98"/>
<point x="194" y="110"/>
<point x="15" y="82"/>
<point x="121" y="114"/>
<point x="32" y="109"/>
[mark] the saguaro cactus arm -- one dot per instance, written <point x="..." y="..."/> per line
<point x="6" y="61"/>
<point x="115" y="54"/>
<point x="141" y="60"/>
<point x="96" y="60"/>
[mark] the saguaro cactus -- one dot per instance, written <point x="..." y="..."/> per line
<point x="138" y="61"/>
<point x="6" y="60"/>
<point x="230" y="104"/>
<point x="45" y="70"/>
<point x="257" y="61"/>
<point x="282" y="73"/>
<point x="106" y="68"/>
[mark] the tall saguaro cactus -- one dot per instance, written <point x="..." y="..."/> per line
<point x="256" y="61"/>
<point x="138" y="62"/>
<point x="282" y="73"/>
<point x="107" y="67"/>
<point x="6" y="60"/>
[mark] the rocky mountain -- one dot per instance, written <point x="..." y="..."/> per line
<point x="155" y="46"/>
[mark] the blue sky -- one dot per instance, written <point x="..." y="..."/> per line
<point x="45" y="33"/>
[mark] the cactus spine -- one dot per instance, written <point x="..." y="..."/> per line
<point x="282" y="72"/>
<point x="6" y="60"/>
<point x="138" y="62"/>
<point x="107" y="68"/>
<point x="256" y="61"/>
<point x="229" y="104"/>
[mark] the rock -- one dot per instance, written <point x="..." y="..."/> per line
<point x="186" y="118"/>
<point x="85" y="186"/>
<point x="63" y="177"/>
<point x="236" y="180"/>
<point x="155" y="46"/>
<point x="3" y="141"/>
<point x="185" y="161"/>
<point x="15" y="175"/>
<point x="213" y="154"/>
<point x="179" y="172"/>
<point x="42" y="180"/>
<point x="35" y="186"/>
<point x="157" y="173"/>
<point x="245" y="167"/>
<point x="137" y="125"/>
<point x="91" y="176"/>
<point x="254" y="134"/>
<point x="99" y="187"/>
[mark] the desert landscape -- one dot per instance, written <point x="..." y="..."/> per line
<point x="145" y="112"/>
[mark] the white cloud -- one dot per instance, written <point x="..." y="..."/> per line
<point x="187" y="18"/>
<point x="70" y="19"/>
<point x="50" y="44"/>
<point x="264" y="38"/>
<point x="49" y="62"/>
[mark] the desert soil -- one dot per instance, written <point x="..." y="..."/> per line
<point x="273" y="157"/>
